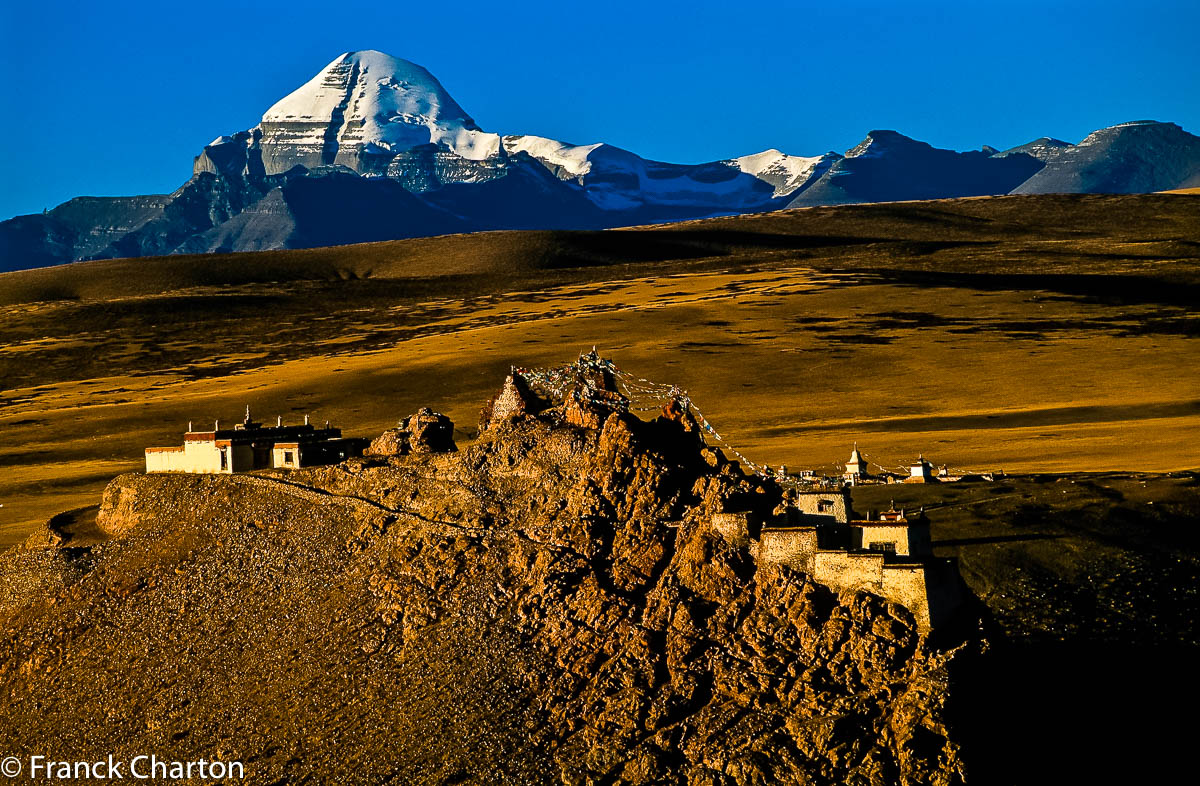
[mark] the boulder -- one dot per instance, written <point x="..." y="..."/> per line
<point x="425" y="431"/>
<point x="430" y="432"/>
<point x="393" y="442"/>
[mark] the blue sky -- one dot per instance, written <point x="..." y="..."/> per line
<point x="117" y="97"/>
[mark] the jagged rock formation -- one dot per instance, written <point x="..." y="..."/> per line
<point x="425" y="431"/>
<point x="548" y="605"/>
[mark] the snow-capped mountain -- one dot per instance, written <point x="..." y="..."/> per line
<point x="360" y="111"/>
<point x="1043" y="148"/>
<point x="787" y="174"/>
<point x="618" y="181"/>
<point x="373" y="147"/>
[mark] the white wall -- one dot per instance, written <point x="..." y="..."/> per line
<point x="862" y="537"/>
<point x="810" y="504"/>
<point x="277" y="456"/>
<point x="202" y="457"/>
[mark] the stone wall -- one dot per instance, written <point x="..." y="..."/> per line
<point x="919" y="541"/>
<point x="863" y="535"/>
<point x="945" y="589"/>
<point x="794" y="546"/>
<point x="908" y="585"/>
<point x="734" y="527"/>
<point x="834" y="503"/>
<point x="843" y="570"/>
<point x="930" y="592"/>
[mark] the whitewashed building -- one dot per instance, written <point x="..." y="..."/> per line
<point x="250" y="446"/>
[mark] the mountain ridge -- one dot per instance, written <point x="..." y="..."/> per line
<point x="374" y="117"/>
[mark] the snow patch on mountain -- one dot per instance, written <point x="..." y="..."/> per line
<point x="1043" y="148"/>
<point x="786" y="172"/>
<point x="1106" y="135"/>
<point x="881" y="143"/>
<point x="572" y="159"/>
<point x="617" y="180"/>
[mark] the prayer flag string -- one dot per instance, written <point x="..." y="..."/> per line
<point x="583" y="378"/>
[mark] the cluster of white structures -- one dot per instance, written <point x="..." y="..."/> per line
<point x="920" y="471"/>
<point x="890" y="555"/>
<point x="249" y="446"/>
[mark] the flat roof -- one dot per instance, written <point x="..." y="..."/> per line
<point x="848" y="553"/>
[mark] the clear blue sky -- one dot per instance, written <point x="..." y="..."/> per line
<point x="116" y="97"/>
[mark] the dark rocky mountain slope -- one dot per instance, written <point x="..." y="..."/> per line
<point x="1129" y="158"/>
<point x="889" y="167"/>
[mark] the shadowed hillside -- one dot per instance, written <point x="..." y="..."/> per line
<point x="1033" y="235"/>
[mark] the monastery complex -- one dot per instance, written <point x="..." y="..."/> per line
<point x="891" y="556"/>
<point x="814" y="529"/>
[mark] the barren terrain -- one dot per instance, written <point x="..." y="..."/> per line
<point x="549" y="605"/>
<point x="1029" y="334"/>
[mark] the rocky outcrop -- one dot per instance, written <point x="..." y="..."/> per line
<point x="425" y="431"/>
<point x="548" y="605"/>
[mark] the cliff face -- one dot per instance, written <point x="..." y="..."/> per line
<point x="548" y="605"/>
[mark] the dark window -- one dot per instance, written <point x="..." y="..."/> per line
<point x="824" y="505"/>
<point x="224" y="458"/>
<point x="890" y="548"/>
<point x="288" y="457"/>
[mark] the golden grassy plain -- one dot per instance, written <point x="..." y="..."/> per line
<point x="1030" y="334"/>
